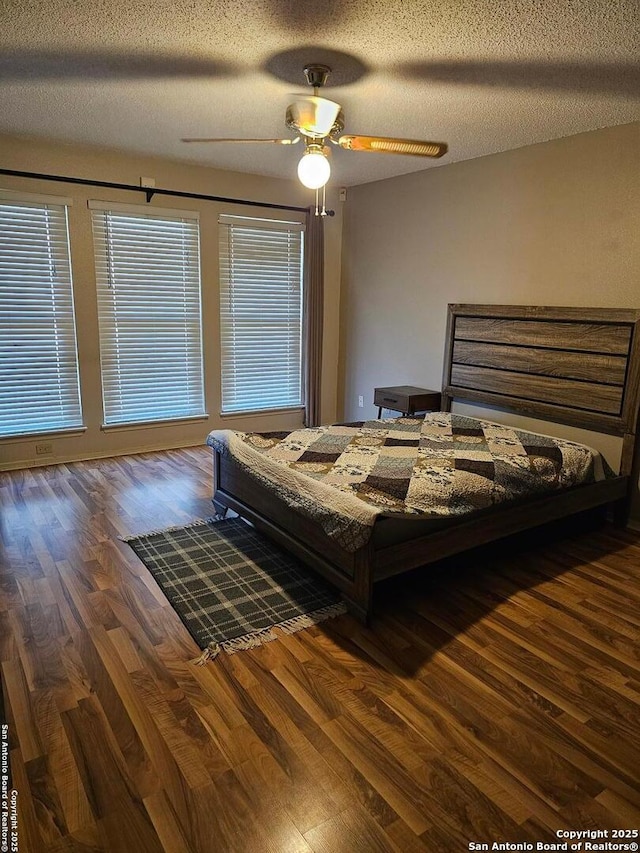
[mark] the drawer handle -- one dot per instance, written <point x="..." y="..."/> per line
<point x="389" y="400"/>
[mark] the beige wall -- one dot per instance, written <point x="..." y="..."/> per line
<point x="105" y="165"/>
<point x="552" y="224"/>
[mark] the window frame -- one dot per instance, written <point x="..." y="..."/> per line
<point x="112" y="327"/>
<point x="63" y="350"/>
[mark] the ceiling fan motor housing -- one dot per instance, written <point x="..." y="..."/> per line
<point x="305" y="116"/>
<point x="293" y="121"/>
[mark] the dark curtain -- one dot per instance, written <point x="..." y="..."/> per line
<point x="313" y="315"/>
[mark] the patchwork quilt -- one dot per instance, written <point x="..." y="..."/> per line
<point x="441" y="466"/>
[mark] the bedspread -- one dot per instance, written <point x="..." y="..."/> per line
<point x="442" y="466"/>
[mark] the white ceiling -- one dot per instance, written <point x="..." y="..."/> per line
<point x="482" y="75"/>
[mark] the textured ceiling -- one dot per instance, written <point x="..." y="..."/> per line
<point x="482" y="75"/>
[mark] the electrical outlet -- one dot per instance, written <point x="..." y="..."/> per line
<point x="44" y="449"/>
<point x="361" y="401"/>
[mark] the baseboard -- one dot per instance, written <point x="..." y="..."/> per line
<point x="22" y="464"/>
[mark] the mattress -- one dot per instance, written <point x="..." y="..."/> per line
<point x="435" y="469"/>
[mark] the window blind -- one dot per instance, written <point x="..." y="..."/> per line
<point x="260" y="314"/>
<point x="39" y="387"/>
<point x="148" y="284"/>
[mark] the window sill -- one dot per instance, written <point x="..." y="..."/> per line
<point x="259" y="413"/>
<point x="167" y="422"/>
<point x="50" y="433"/>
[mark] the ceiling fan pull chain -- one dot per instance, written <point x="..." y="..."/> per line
<point x="322" y="212"/>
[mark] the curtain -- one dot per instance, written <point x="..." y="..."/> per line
<point x="313" y="315"/>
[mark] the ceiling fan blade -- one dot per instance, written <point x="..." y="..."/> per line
<point x="312" y="115"/>
<point x="276" y="141"/>
<point x="390" y="145"/>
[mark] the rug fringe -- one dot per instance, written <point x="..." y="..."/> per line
<point x="198" y="522"/>
<point x="248" y="641"/>
<point x="307" y="620"/>
<point x="210" y="653"/>
<point x="267" y="635"/>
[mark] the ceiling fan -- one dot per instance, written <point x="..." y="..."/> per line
<point x="318" y="120"/>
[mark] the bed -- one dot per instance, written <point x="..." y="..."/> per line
<point x="574" y="366"/>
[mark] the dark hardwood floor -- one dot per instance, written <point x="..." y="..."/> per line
<point x="496" y="697"/>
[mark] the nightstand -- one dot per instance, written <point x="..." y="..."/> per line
<point x="406" y="399"/>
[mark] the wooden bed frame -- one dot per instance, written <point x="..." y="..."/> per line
<point x="576" y="366"/>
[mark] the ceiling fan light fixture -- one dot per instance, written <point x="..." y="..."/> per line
<point x="314" y="169"/>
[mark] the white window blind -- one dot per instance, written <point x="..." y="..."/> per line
<point x="148" y="282"/>
<point x="260" y="313"/>
<point x="39" y="388"/>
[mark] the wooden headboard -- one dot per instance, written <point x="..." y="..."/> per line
<point x="577" y="366"/>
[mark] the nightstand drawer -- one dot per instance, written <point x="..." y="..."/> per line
<point x="406" y="399"/>
<point x="383" y="397"/>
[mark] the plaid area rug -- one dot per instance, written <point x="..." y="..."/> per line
<point x="231" y="587"/>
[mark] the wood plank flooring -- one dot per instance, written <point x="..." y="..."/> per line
<point x="496" y="698"/>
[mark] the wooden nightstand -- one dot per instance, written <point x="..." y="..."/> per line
<point x="406" y="399"/>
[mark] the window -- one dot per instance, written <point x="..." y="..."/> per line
<point x="260" y="313"/>
<point x="148" y="282"/>
<point x="39" y="387"/>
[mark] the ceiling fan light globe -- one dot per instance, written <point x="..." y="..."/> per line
<point x="314" y="170"/>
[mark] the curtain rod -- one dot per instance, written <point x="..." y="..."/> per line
<point x="151" y="191"/>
